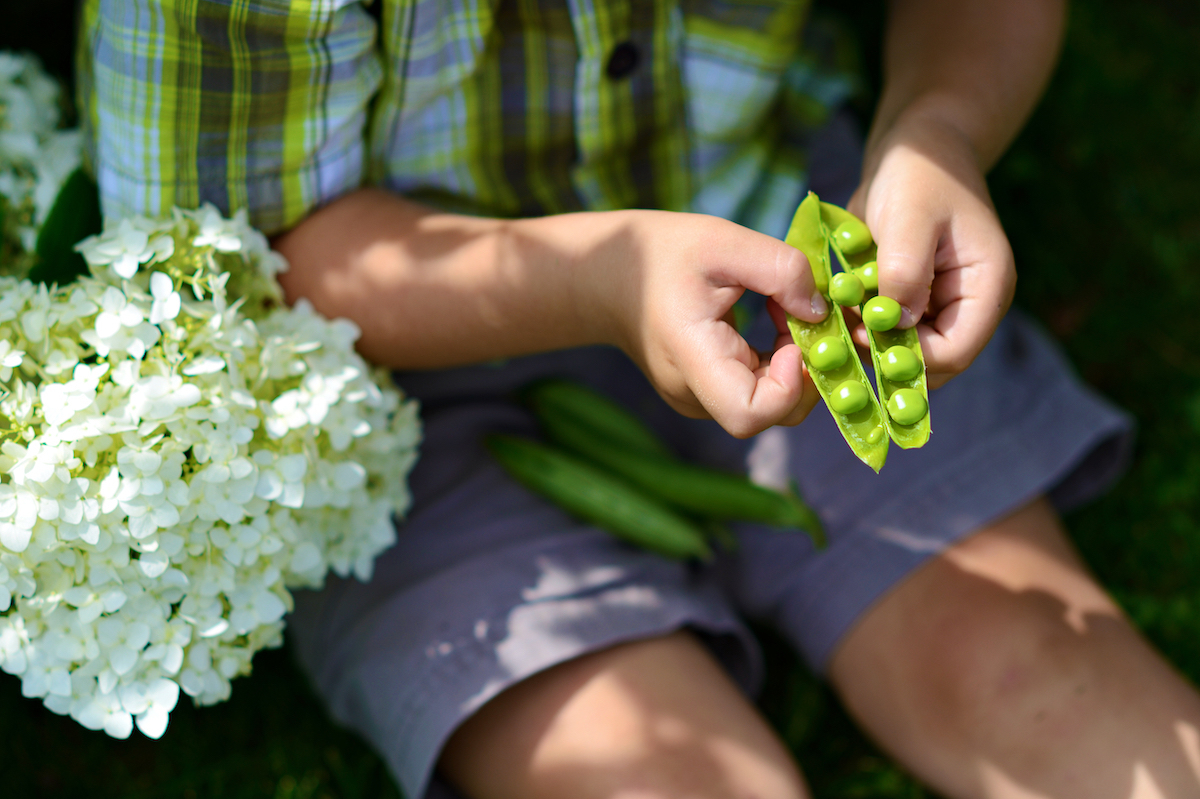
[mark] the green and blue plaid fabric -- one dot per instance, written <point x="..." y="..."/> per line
<point x="498" y="107"/>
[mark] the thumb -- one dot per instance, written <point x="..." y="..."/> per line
<point x="907" y="238"/>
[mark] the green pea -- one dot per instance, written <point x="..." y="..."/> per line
<point x="869" y="275"/>
<point x="899" y="363"/>
<point x="846" y="289"/>
<point x="907" y="406"/>
<point x="828" y="353"/>
<point x="881" y="313"/>
<point x="852" y="236"/>
<point x="875" y="436"/>
<point x="849" y="397"/>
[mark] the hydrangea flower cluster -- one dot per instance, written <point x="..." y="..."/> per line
<point x="177" y="449"/>
<point x="35" y="155"/>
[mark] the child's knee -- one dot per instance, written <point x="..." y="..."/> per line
<point x="654" y="718"/>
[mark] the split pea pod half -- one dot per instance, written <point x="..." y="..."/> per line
<point x="829" y="351"/>
<point x="895" y="354"/>
<point x="692" y="489"/>
<point x="599" y="497"/>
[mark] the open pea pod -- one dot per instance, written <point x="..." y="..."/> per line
<point x="829" y="352"/>
<point x="895" y="354"/>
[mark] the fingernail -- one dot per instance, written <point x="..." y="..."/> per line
<point x="819" y="306"/>
<point x="907" y="318"/>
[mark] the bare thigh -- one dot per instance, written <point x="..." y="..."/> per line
<point x="648" y="719"/>
<point x="1001" y="669"/>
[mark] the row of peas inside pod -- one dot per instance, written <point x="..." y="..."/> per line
<point x="900" y="412"/>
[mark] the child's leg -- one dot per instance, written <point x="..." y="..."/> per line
<point x="1001" y="669"/>
<point x="648" y="719"/>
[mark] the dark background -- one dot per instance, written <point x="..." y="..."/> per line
<point x="1099" y="196"/>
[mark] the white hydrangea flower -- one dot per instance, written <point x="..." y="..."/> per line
<point x="166" y="300"/>
<point x="127" y="244"/>
<point x="173" y="463"/>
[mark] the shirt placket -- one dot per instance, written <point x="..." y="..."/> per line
<point x="632" y="144"/>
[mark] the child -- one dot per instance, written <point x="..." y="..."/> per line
<point x="514" y="154"/>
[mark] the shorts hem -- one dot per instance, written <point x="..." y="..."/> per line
<point x="879" y="553"/>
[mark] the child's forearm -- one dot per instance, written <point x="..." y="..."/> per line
<point x="976" y="66"/>
<point x="432" y="289"/>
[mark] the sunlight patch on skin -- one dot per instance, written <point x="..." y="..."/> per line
<point x="1189" y="741"/>
<point x="1019" y="566"/>
<point x="1144" y="786"/>
<point x="998" y="785"/>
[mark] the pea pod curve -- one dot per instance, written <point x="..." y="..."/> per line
<point x="598" y="497"/>
<point x="842" y="382"/>
<point x="560" y="396"/>
<point x="895" y="354"/>
<point x="690" y="488"/>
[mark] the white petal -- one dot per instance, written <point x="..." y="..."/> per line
<point x="152" y="564"/>
<point x="305" y="558"/>
<point x="107" y="324"/>
<point x="14" y="538"/>
<point x="122" y="659"/>
<point x="214" y="629"/>
<point x="173" y="659"/>
<point x="135" y="697"/>
<point x="292" y="467"/>
<point x="153" y="723"/>
<point x="161" y="286"/>
<point x="119" y="724"/>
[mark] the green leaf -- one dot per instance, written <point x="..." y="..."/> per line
<point x="74" y="216"/>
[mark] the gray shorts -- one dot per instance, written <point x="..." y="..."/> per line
<point x="489" y="584"/>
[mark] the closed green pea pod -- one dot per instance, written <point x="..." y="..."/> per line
<point x="556" y="396"/>
<point x="688" y="487"/>
<point x="598" y="497"/>
<point x="846" y="289"/>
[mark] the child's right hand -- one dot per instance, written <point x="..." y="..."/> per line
<point x="669" y="282"/>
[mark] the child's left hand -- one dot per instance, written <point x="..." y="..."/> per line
<point x="942" y="252"/>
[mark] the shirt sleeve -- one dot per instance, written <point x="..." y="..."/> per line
<point x="256" y="104"/>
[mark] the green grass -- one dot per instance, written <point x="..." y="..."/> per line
<point x="1099" y="195"/>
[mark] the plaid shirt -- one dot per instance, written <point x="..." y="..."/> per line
<point x="498" y="107"/>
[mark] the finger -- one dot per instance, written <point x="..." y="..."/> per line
<point x="770" y="267"/>
<point x="809" y="396"/>
<point x="746" y="397"/>
<point x="907" y="238"/>
<point x="968" y="304"/>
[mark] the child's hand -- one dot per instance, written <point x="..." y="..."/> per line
<point x="942" y="253"/>
<point x="672" y="288"/>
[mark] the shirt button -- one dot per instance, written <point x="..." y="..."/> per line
<point x="623" y="61"/>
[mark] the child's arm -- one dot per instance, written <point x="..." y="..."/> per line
<point x="433" y="289"/>
<point x="265" y="107"/>
<point x="960" y="78"/>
